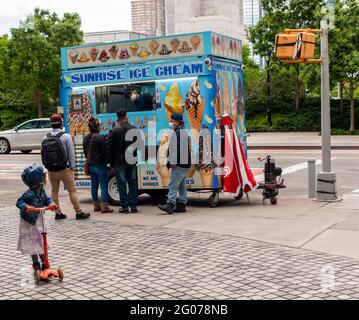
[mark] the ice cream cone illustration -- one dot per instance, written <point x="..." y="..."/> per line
<point x="234" y="105"/>
<point x="93" y="54"/>
<point x="154" y="46"/>
<point x="174" y="44"/>
<point x="206" y="177"/>
<point x="161" y="167"/>
<point x="113" y="51"/>
<point x="191" y="171"/>
<point x="206" y="162"/>
<point x="223" y="46"/>
<point x="241" y="106"/>
<point x="226" y="101"/>
<point x="195" y="41"/>
<point x="218" y="44"/>
<point x="134" y="48"/>
<point x="217" y="101"/>
<point x="194" y="108"/>
<point x="173" y="101"/>
<point x="73" y="54"/>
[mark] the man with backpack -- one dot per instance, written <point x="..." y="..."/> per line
<point x="58" y="156"/>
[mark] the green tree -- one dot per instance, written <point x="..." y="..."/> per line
<point x="344" y="51"/>
<point x="279" y="15"/>
<point x="34" y="51"/>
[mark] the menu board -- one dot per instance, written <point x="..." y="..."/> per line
<point x="136" y="50"/>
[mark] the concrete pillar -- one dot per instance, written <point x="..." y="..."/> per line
<point x="327" y="187"/>
<point x="311" y="178"/>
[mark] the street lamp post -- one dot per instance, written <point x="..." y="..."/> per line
<point x="269" y="111"/>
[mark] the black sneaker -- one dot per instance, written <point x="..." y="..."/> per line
<point x="122" y="210"/>
<point x="180" y="207"/>
<point x="60" y="216"/>
<point x="82" y="215"/>
<point x="168" y="207"/>
<point x="36" y="266"/>
<point x="134" y="210"/>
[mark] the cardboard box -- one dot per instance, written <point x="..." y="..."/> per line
<point x="285" y="45"/>
<point x="305" y="46"/>
<point x="295" y="45"/>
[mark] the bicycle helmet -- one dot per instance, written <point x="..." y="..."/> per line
<point x="33" y="175"/>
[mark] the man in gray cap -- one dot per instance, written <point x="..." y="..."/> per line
<point x="179" y="160"/>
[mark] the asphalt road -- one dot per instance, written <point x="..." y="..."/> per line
<point x="345" y="163"/>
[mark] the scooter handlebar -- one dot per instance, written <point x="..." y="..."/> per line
<point x="48" y="208"/>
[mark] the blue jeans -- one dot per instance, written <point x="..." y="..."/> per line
<point x="178" y="184"/>
<point x="99" y="176"/>
<point x="127" y="174"/>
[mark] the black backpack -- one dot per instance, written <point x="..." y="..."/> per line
<point x="53" y="153"/>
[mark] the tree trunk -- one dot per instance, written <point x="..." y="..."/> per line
<point x="341" y="104"/>
<point x="297" y="87"/>
<point x="352" y="110"/>
<point x="40" y="107"/>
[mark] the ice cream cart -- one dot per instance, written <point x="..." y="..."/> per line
<point x="198" y="75"/>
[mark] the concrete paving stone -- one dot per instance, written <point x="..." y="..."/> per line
<point x="179" y="263"/>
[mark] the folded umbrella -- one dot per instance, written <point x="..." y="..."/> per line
<point x="236" y="171"/>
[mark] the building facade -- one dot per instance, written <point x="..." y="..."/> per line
<point x="252" y="12"/>
<point x="111" y="36"/>
<point x="148" y="17"/>
<point x="185" y="16"/>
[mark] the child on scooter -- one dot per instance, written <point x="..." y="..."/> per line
<point x="30" y="238"/>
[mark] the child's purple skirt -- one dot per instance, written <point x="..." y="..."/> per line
<point x="30" y="237"/>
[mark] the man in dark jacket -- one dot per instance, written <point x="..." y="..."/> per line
<point x="179" y="160"/>
<point x="118" y="150"/>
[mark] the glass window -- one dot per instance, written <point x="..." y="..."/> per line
<point x="28" y="125"/>
<point x="133" y="97"/>
<point x="44" y="124"/>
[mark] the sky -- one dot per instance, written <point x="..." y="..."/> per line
<point x="96" y="15"/>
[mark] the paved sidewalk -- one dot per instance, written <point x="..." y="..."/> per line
<point x="298" y="140"/>
<point x="106" y="260"/>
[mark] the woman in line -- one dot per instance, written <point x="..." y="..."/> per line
<point x="95" y="150"/>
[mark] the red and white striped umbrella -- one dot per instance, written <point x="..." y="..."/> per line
<point x="236" y="170"/>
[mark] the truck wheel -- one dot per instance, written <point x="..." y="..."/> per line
<point x="239" y="196"/>
<point x="4" y="146"/>
<point x="213" y="200"/>
<point x="113" y="191"/>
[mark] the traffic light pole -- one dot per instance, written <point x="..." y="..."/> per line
<point x="326" y="180"/>
<point x="325" y="100"/>
<point x="326" y="189"/>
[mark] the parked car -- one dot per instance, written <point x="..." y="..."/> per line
<point x="25" y="137"/>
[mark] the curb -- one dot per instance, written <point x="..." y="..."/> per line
<point x="278" y="147"/>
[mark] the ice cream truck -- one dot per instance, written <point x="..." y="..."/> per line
<point x="199" y="75"/>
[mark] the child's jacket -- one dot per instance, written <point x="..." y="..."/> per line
<point x="36" y="198"/>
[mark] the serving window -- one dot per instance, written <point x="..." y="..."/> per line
<point x="133" y="97"/>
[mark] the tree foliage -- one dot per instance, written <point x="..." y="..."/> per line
<point x="30" y="65"/>
<point x="344" y="50"/>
